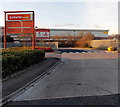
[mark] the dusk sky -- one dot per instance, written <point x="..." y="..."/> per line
<point x="101" y="15"/>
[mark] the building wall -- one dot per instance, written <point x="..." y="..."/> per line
<point x="100" y="33"/>
<point x="72" y="32"/>
<point x="96" y="33"/>
<point x="104" y="43"/>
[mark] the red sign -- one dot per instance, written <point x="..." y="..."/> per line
<point x="42" y="30"/>
<point x="17" y="27"/>
<point x="13" y="24"/>
<point x="19" y="17"/>
<point x="42" y="33"/>
<point x="19" y="22"/>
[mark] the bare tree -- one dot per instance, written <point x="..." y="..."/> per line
<point x="86" y="40"/>
<point x="117" y="36"/>
<point x="81" y="33"/>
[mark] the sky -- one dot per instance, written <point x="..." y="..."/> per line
<point x="76" y="14"/>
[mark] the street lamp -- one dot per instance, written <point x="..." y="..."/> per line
<point x="74" y="33"/>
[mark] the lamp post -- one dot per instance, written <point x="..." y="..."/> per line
<point x="74" y="33"/>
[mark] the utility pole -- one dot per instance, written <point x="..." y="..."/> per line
<point x="74" y="33"/>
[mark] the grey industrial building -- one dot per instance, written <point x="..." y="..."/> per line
<point x="75" y="32"/>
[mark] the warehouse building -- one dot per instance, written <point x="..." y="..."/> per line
<point x="98" y="33"/>
<point x="75" y="32"/>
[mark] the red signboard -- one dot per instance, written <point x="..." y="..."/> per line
<point x="42" y="30"/>
<point x="42" y="33"/>
<point x="18" y="27"/>
<point x="18" y="17"/>
<point x="19" y="22"/>
<point x="13" y="24"/>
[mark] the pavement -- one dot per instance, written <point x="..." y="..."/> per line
<point x="81" y="78"/>
<point x="25" y="76"/>
<point x="105" y="100"/>
<point x="78" y="56"/>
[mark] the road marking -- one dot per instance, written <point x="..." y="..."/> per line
<point x="85" y="52"/>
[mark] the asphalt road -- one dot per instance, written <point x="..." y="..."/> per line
<point x="76" y="81"/>
<point x="75" y="50"/>
<point x="72" y="50"/>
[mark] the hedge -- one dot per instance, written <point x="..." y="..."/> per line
<point x="46" y="49"/>
<point x="8" y="39"/>
<point x="13" y="61"/>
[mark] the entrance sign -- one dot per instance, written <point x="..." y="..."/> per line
<point x="19" y="22"/>
<point x="42" y="34"/>
<point x="19" y="17"/>
<point x="17" y="27"/>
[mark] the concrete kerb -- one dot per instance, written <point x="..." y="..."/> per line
<point x="28" y="85"/>
<point x="16" y="74"/>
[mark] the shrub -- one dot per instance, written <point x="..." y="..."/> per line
<point x="13" y="61"/>
<point x="85" y="41"/>
<point x="8" y="39"/>
<point x="46" y="49"/>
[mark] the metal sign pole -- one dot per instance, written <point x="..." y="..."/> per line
<point x="49" y="39"/>
<point x="33" y="36"/>
<point x="5" y="32"/>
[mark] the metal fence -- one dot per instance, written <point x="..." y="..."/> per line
<point x="53" y="45"/>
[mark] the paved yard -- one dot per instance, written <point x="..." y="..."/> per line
<point x="78" y="75"/>
<point x="78" y="56"/>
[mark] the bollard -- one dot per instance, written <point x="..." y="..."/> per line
<point x="110" y="49"/>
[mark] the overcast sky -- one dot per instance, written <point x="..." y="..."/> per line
<point x="83" y="14"/>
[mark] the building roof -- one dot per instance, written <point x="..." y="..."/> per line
<point x="72" y="29"/>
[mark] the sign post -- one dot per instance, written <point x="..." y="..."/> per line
<point x="19" y="22"/>
<point x="5" y="33"/>
<point x="43" y="34"/>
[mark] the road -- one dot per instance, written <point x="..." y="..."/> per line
<point x="86" y="78"/>
<point x="77" y="50"/>
<point x="72" y="50"/>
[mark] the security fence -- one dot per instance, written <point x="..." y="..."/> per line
<point x="53" y="45"/>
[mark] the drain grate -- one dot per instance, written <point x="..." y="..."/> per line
<point x="79" y="84"/>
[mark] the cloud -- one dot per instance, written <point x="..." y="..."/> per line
<point x="60" y="0"/>
<point x="103" y="15"/>
<point x="67" y="25"/>
<point x="64" y="25"/>
<point x="97" y="26"/>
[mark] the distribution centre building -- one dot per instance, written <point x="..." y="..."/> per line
<point x="75" y="32"/>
